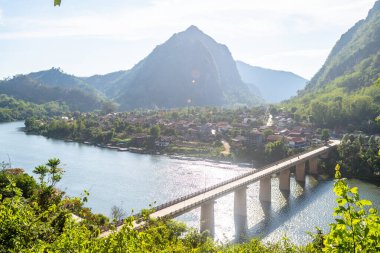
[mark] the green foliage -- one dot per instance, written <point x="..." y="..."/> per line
<point x="155" y="131"/>
<point x="57" y="2"/>
<point x="28" y="226"/>
<point x="14" y="109"/>
<point x="325" y="135"/>
<point x="53" y="85"/>
<point x="332" y="107"/>
<point x="359" y="156"/>
<point x="354" y="60"/>
<point x="275" y="151"/>
<point x="23" y="181"/>
<point x="357" y="227"/>
<point x="345" y="93"/>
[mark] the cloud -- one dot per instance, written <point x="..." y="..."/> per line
<point x="257" y="17"/>
<point x="288" y="34"/>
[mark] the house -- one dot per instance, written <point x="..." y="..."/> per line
<point x="238" y="141"/>
<point x="163" y="141"/>
<point x="255" y="139"/>
<point x="223" y="126"/>
<point x="139" y="140"/>
<point x="297" y="142"/>
<point x="274" y="137"/>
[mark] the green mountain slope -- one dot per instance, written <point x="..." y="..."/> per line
<point x="345" y="93"/>
<point x="354" y="61"/>
<point x="274" y="85"/>
<point x="53" y="85"/>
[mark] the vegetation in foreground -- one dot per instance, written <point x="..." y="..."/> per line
<point x="36" y="217"/>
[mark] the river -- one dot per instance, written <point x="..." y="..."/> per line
<point x="133" y="181"/>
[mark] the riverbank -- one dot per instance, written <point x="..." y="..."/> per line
<point x="178" y="156"/>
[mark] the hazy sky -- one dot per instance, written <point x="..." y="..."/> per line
<point x="86" y="37"/>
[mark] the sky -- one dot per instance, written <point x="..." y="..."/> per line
<point x="90" y="37"/>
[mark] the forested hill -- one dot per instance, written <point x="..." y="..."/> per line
<point x="53" y="85"/>
<point x="354" y="61"/>
<point x="345" y="93"/>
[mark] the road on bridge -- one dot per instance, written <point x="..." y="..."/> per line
<point x="184" y="206"/>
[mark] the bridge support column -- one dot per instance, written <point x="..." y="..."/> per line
<point x="207" y="218"/>
<point x="265" y="189"/>
<point x="325" y="155"/>
<point x="313" y="166"/>
<point x="300" y="172"/>
<point x="240" y="212"/>
<point x="284" y="180"/>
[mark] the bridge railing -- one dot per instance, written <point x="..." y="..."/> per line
<point x="204" y="190"/>
<point x="212" y="187"/>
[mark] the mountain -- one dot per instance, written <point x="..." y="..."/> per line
<point x="108" y="84"/>
<point x="345" y="93"/>
<point x="354" y="61"/>
<point x="188" y="69"/>
<point x="274" y="85"/>
<point x="53" y="85"/>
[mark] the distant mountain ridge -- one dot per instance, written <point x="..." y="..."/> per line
<point x="274" y="85"/>
<point x="188" y="69"/>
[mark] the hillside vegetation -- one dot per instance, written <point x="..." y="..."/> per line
<point x="53" y="86"/>
<point x="345" y="93"/>
<point x="12" y="109"/>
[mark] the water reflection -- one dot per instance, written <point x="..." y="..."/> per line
<point x="291" y="213"/>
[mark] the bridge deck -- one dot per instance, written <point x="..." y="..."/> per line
<point x="178" y="208"/>
<point x="186" y="205"/>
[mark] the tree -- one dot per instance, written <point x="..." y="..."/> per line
<point x="275" y="151"/>
<point x="155" y="131"/>
<point x="108" y="107"/>
<point x="357" y="228"/>
<point x="325" y="136"/>
<point x="268" y="132"/>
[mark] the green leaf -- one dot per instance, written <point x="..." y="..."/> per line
<point x="57" y="2"/>
<point x="341" y="202"/>
<point x="354" y="190"/>
<point x="340" y="221"/>
<point x="364" y="202"/>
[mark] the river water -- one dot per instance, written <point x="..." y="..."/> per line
<point x="133" y="181"/>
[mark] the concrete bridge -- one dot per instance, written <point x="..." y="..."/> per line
<point x="205" y="198"/>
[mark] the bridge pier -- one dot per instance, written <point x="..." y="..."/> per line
<point x="240" y="212"/>
<point x="284" y="180"/>
<point x="207" y="218"/>
<point x="313" y="166"/>
<point x="325" y="155"/>
<point x="300" y="172"/>
<point x="265" y="189"/>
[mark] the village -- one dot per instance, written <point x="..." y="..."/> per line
<point x="191" y="136"/>
<point x="219" y="134"/>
